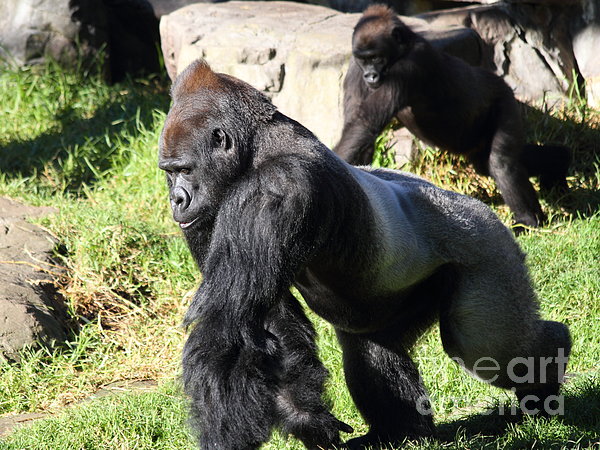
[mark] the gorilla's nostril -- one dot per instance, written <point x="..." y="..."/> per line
<point x="371" y="77"/>
<point x="180" y="198"/>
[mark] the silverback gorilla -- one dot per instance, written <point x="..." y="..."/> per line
<point x="446" y="102"/>
<point x="380" y="254"/>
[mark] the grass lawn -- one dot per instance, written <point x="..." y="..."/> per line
<point x="70" y="141"/>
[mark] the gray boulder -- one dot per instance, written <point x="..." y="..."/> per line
<point x="31" y="30"/>
<point x="31" y="311"/>
<point x="586" y="48"/>
<point x="539" y="47"/>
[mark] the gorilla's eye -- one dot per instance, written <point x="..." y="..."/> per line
<point x="184" y="171"/>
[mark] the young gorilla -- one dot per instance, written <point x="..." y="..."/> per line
<point x="380" y="254"/>
<point x="445" y="102"/>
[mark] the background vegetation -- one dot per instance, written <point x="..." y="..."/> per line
<point x="70" y="141"/>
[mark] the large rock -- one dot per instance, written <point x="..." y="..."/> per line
<point x="586" y="47"/>
<point x="297" y="54"/>
<point x="31" y="312"/>
<point x="31" y="30"/>
<point x="539" y="47"/>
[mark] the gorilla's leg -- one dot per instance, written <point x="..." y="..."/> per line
<point x="507" y="169"/>
<point x="386" y="388"/>
<point x="496" y="334"/>
<point x="548" y="162"/>
<point x="513" y="183"/>
<point x="540" y="376"/>
<point x="300" y="408"/>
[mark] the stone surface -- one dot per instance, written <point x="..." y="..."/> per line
<point x="33" y="29"/>
<point x="586" y="47"/>
<point x="31" y="312"/>
<point x="527" y="45"/>
<point x="404" y="145"/>
<point x="297" y="54"/>
<point x="539" y="47"/>
<point x="9" y="423"/>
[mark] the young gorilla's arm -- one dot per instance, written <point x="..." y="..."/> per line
<point x="366" y="114"/>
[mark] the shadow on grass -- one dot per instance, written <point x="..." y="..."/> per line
<point x="582" y="136"/>
<point x="579" y="427"/>
<point x="82" y="149"/>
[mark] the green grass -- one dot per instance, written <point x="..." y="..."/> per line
<point x="141" y="421"/>
<point x="70" y="141"/>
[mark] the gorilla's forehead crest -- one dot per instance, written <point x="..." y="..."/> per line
<point x="379" y="12"/>
<point x="375" y="19"/>
<point x="220" y="93"/>
<point x="197" y="76"/>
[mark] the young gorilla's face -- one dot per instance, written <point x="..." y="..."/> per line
<point x="201" y="160"/>
<point x="376" y="53"/>
<point x="372" y="63"/>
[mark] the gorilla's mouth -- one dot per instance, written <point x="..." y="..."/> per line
<point x="185" y="225"/>
<point x="374" y="84"/>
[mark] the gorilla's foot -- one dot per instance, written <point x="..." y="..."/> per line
<point x="376" y="440"/>
<point x="369" y="440"/>
<point x="321" y="431"/>
<point x="543" y="401"/>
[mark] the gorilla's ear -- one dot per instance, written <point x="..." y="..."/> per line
<point x="261" y="107"/>
<point x="401" y="34"/>
<point x="220" y="140"/>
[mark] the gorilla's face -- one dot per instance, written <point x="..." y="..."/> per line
<point x="373" y="64"/>
<point x="201" y="161"/>
<point x="376" y="50"/>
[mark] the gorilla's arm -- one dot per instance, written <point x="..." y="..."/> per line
<point x="366" y="114"/>
<point x="261" y="236"/>
<point x="233" y="365"/>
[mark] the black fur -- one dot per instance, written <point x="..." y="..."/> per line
<point x="379" y="254"/>
<point x="446" y="102"/>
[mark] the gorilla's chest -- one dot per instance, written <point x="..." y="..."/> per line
<point x="434" y="127"/>
<point x="350" y="305"/>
